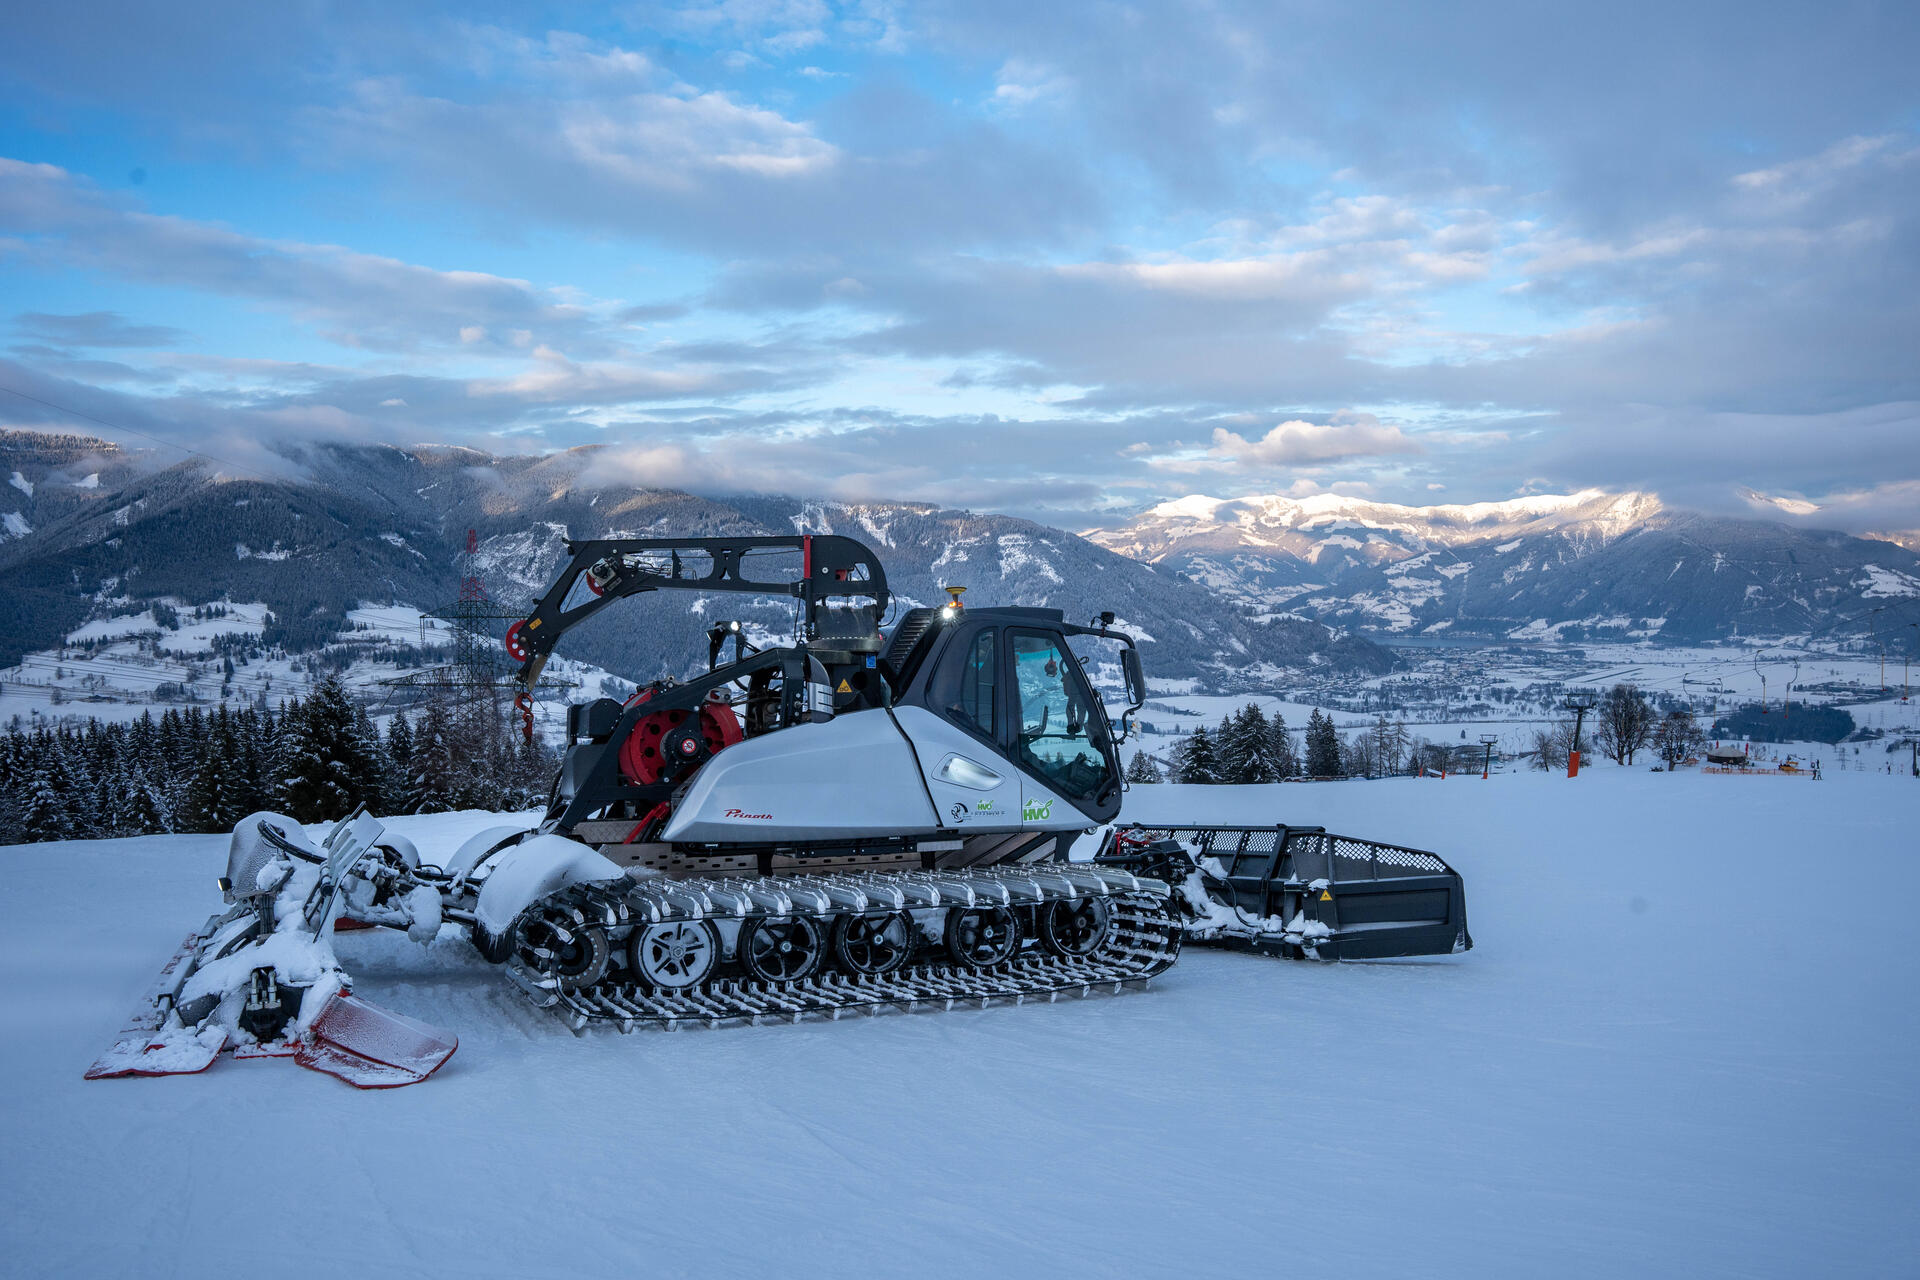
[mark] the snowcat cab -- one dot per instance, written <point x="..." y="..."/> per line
<point x="961" y="724"/>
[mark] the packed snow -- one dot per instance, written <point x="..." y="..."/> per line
<point x="1683" y="1045"/>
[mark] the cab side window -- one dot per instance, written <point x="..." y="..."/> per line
<point x="963" y="690"/>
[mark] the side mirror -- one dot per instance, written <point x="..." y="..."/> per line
<point x="1135" y="676"/>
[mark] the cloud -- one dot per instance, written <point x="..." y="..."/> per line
<point x="705" y="168"/>
<point x="1296" y="442"/>
<point x="1021" y="84"/>
<point x="58" y="220"/>
<point x="1043" y="259"/>
<point x="95" y="329"/>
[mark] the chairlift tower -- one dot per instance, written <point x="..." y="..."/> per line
<point x="1579" y="704"/>
<point x="1486" y="764"/>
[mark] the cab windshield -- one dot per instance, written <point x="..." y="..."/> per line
<point x="1062" y="733"/>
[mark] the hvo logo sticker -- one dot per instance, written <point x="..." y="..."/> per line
<point x="1037" y="810"/>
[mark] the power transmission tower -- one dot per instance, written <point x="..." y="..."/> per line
<point x="479" y="673"/>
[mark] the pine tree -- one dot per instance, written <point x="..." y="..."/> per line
<point x="323" y="766"/>
<point x="143" y="805"/>
<point x="1323" y="746"/>
<point x="1231" y="752"/>
<point x="434" y="785"/>
<point x="1282" y="758"/>
<point x="218" y="796"/>
<point x="75" y="782"/>
<point x="1142" y="768"/>
<point x="374" y="774"/>
<point x="1197" y="762"/>
<point x="399" y="764"/>
<point x="1254" y="731"/>
<point x="1382" y="746"/>
<point x="46" y="811"/>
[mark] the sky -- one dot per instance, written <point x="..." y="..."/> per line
<point x="1059" y="260"/>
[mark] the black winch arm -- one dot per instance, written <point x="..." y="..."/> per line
<point x="832" y="568"/>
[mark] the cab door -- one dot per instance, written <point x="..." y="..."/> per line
<point x="1058" y="736"/>
<point x="957" y="736"/>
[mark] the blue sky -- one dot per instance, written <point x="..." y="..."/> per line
<point x="1061" y="260"/>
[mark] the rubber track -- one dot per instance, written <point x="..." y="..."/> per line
<point x="1143" y="943"/>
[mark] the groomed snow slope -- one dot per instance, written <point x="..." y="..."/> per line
<point x="1685" y="1045"/>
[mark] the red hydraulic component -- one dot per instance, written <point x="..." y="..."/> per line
<point x="523" y="703"/>
<point x="598" y="575"/>
<point x="516" y="647"/>
<point x="640" y="760"/>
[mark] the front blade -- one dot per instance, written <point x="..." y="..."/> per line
<point x="173" y="1051"/>
<point x="373" y="1048"/>
<point x="153" y="1043"/>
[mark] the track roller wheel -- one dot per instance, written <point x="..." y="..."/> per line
<point x="674" y="956"/>
<point x="576" y="954"/>
<point x="870" y="945"/>
<point x="1076" y="927"/>
<point x="781" y="948"/>
<point x="982" y="936"/>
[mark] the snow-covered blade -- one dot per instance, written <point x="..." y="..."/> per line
<point x="262" y="980"/>
<point x="154" y="1043"/>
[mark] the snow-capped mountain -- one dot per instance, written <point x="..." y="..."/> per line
<point x="1590" y="564"/>
<point x="357" y="526"/>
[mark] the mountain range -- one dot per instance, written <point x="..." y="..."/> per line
<point x="86" y="529"/>
<point x="1585" y="566"/>
<point x="1230" y="591"/>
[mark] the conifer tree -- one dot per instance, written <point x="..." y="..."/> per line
<point x="144" y="805"/>
<point x="399" y="764"/>
<point x="323" y="767"/>
<point x="44" y="811"/>
<point x="1142" y="768"/>
<point x="1197" y="761"/>
<point x="434" y="783"/>
<point x="1231" y="751"/>
<point x="373" y="779"/>
<point x="1323" y="746"/>
<point x="1282" y="758"/>
<point x="218" y="796"/>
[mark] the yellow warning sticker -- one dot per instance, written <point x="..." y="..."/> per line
<point x="844" y="686"/>
<point x="1325" y="896"/>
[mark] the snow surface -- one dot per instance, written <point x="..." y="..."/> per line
<point x="1684" y="1045"/>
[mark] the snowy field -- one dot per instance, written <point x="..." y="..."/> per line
<point x="1684" y="1045"/>
<point x="116" y="681"/>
